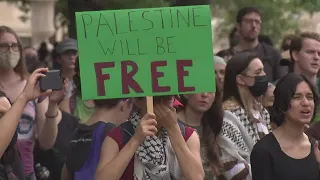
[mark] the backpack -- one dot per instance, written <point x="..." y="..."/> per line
<point x="88" y="170"/>
<point x="128" y="131"/>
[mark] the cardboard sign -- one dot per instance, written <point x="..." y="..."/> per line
<point x="145" y="52"/>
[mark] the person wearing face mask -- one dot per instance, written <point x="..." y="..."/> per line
<point x="245" y="120"/>
<point x="38" y="120"/>
<point x="10" y="116"/>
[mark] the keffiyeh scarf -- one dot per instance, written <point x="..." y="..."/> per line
<point x="151" y="155"/>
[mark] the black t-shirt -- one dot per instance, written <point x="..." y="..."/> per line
<point x="55" y="158"/>
<point x="80" y="145"/>
<point x="269" y="162"/>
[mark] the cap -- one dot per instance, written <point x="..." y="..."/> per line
<point x="67" y="44"/>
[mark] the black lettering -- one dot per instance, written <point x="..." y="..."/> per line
<point x="159" y="46"/>
<point x="169" y="44"/>
<point x="162" y="21"/>
<point x="179" y="14"/>
<point x="138" y="45"/>
<point x="85" y="24"/>
<point x="108" y="49"/>
<point x="194" y="17"/>
<point x="103" y="24"/>
<point x="143" y="16"/>
<point x="130" y="21"/>
<point x="116" y="24"/>
<point x="128" y="48"/>
<point x="121" y="44"/>
<point x="171" y="18"/>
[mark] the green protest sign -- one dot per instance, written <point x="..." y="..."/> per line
<point x="145" y="52"/>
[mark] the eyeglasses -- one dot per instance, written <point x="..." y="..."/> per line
<point x="251" y="21"/>
<point x="6" y="47"/>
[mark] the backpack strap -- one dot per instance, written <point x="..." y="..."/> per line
<point x="127" y="132"/>
<point x="107" y="128"/>
<point x="182" y="129"/>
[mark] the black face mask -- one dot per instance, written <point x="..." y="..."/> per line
<point x="260" y="86"/>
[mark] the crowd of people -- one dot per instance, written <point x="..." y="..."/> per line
<point x="260" y="124"/>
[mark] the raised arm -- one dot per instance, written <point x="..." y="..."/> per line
<point x="48" y="118"/>
<point x="9" y="121"/>
<point x="113" y="162"/>
<point x="188" y="153"/>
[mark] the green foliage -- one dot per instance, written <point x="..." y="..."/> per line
<point x="279" y="16"/>
<point x="131" y="4"/>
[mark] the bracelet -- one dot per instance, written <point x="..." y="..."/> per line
<point x="52" y="117"/>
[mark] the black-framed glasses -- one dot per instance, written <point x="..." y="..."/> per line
<point x="6" y="47"/>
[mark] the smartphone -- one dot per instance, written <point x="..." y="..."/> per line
<point x="52" y="80"/>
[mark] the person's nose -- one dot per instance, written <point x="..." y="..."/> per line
<point x="204" y="95"/>
<point x="305" y="101"/>
<point x="316" y="56"/>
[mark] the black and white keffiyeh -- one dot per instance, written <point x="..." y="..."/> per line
<point x="152" y="153"/>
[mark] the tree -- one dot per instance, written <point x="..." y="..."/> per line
<point x="88" y="5"/>
<point x="279" y="16"/>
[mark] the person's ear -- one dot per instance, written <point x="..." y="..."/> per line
<point x="239" y="80"/>
<point x="128" y="104"/>
<point x="295" y="56"/>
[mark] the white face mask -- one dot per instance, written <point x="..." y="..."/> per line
<point x="9" y="59"/>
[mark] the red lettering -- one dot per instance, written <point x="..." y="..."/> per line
<point x="127" y="77"/>
<point x="155" y="75"/>
<point x="102" y="77"/>
<point x="182" y="73"/>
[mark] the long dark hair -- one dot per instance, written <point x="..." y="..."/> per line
<point x="211" y="123"/>
<point x="285" y="90"/>
<point x="236" y="65"/>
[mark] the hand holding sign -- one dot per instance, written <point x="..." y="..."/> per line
<point x="166" y="116"/>
<point x="145" y="52"/>
<point x="147" y="127"/>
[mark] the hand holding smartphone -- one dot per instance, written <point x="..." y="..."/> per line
<point x="52" y="80"/>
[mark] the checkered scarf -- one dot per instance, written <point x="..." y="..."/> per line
<point x="152" y="152"/>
